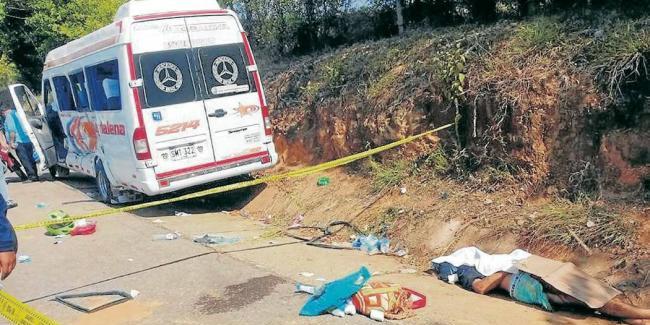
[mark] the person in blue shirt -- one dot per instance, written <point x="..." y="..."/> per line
<point x="19" y="140"/>
<point x="8" y="242"/>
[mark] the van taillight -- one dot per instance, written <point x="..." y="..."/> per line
<point x="141" y="145"/>
<point x="268" y="128"/>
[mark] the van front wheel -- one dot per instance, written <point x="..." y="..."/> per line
<point x="103" y="185"/>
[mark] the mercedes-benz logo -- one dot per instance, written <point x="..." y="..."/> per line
<point x="225" y="71"/>
<point x="168" y="77"/>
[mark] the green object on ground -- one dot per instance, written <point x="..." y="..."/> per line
<point x="60" y="228"/>
<point x="323" y="181"/>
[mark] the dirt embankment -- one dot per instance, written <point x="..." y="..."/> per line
<point x="556" y="103"/>
<point x="550" y="147"/>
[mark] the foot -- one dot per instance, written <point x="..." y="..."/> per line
<point x="34" y="179"/>
<point x="11" y="204"/>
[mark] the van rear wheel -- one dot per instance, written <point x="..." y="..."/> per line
<point x="103" y="185"/>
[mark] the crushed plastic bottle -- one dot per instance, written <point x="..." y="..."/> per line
<point x="169" y="236"/>
<point x="372" y="245"/>
<point x="212" y="239"/>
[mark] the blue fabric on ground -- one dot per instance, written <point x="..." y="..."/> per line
<point x="467" y="275"/>
<point x="526" y="289"/>
<point x="444" y="270"/>
<point x="336" y="293"/>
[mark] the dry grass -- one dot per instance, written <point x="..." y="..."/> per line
<point x="595" y="226"/>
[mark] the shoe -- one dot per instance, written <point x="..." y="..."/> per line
<point x="34" y="179"/>
<point x="11" y="204"/>
<point x="27" y="181"/>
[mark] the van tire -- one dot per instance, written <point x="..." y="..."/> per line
<point x="57" y="172"/>
<point x="104" y="186"/>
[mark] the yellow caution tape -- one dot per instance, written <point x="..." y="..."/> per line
<point x="268" y="179"/>
<point x="18" y="313"/>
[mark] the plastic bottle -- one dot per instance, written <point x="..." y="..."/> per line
<point x="377" y="315"/>
<point x="170" y="236"/>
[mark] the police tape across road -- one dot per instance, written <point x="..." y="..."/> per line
<point x="18" y="313"/>
<point x="226" y="188"/>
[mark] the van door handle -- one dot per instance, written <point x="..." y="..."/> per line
<point x="218" y="113"/>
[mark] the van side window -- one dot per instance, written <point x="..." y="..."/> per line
<point x="48" y="97"/>
<point x="64" y="94"/>
<point x="168" y="78"/>
<point x="104" y="86"/>
<point x="78" y="82"/>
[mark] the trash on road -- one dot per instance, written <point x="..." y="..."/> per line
<point x="214" y="239"/>
<point x="94" y="301"/>
<point x="334" y="295"/>
<point x="372" y="245"/>
<point x="324" y="181"/>
<point x="182" y="214"/>
<point x="41" y="205"/>
<point x="58" y="242"/>
<point x="382" y="300"/>
<point x="297" y="221"/>
<point x="158" y="221"/>
<point x="24" y="259"/>
<point x="306" y="274"/>
<point x="91" y="195"/>
<point x="408" y="271"/>
<point x="59" y="229"/>
<point x="303" y="288"/>
<point x="169" y="236"/>
<point x="134" y="293"/>
<point x="84" y="228"/>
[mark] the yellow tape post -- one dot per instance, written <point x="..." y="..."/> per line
<point x="226" y="188"/>
<point x="18" y="313"/>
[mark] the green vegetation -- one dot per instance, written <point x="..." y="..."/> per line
<point x="388" y="175"/>
<point x="8" y="72"/>
<point x="539" y="32"/>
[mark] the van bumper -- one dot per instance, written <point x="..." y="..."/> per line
<point x="152" y="186"/>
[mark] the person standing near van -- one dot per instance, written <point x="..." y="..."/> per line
<point x="19" y="140"/>
<point x="4" y="189"/>
<point x="8" y="243"/>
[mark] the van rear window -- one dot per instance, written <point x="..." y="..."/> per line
<point x="224" y="70"/>
<point x="168" y="78"/>
<point x="104" y="86"/>
<point x="64" y="94"/>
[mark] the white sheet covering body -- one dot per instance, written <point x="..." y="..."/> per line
<point x="486" y="264"/>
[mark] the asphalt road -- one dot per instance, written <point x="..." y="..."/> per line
<point x="181" y="282"/>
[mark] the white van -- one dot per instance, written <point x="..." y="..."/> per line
<point x="165" y="98"/>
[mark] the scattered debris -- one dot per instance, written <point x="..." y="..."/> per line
<point x="169" y="236"/>
<point x="83" y="228"/>
<point x="372" y="245"/>
<point x="182" y="214"/>
<point x="134" y="293"/>
<point x="297" y="221"/>
<point x="324" y="181"/>
<point x="321" y="280"/>
<point x="591" y="224"/>
<point x="94" y="300"/>
<point x="303" y="288"/>
<point x="41" y="205"/>
<point x="408" y="271"/>
<point x="24" y="259"/>
<point x="215" y="239"/>
<point x="58" y="242"/>
<point x="130" y="260"/>
<point x="158" y="221"/>
<point x="444" y="195"/>
<point x="335" y="295"/>
<point x="91" y="195"/>
<point x="403" y="190"/>
<point x="306" y="274"/>
<point x="59" y="229"/>
<point x="381" y="300"/>
<point x="488" y="202"/>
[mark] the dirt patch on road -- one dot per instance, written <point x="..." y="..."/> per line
<point x="238" y="296"/>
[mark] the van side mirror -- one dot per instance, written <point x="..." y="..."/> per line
<point x="35" y="123"/>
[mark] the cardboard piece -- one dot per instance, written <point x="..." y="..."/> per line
<point x="569" y="279"/>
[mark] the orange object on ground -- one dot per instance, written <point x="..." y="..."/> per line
<point x="394" y="300"/>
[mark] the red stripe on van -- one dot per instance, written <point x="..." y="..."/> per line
<point x="258" y="82"/>
<point x="180" y="13"/>
<point x="136" y="95"/>
<point x="210" y="165"/>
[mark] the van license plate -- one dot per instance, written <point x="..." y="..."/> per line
<point x="183" y="153"/>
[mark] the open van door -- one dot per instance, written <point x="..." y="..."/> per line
<point x="32" y="118"/>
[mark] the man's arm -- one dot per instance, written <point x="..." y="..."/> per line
<point x="8" y="242"/>
<point x="12" y="139"/>
<point x="486" y="285"/>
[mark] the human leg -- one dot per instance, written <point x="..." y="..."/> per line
<point x="620" y="309"/>
<point x="25" y="152"/>
<point x="4" y="189"/>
